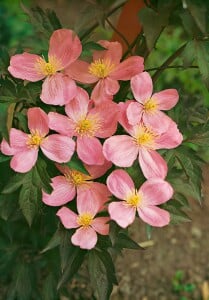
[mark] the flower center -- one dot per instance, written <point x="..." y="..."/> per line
<point x="133" y="199"/>
<point x="76" y="177"/>
<point x="85" y="219"/>
<point x="34" y="140"/>
<point x="101" y="68"/>
<point x="48" y="68"/>
<point x="87" y="127"/>
<point x="145" y="137"/>
<point x="150" y="106"/>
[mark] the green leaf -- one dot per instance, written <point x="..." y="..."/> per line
<point x="202" y="50"/>
<point x="14" y="183"/>
<point x="23" y="282"/>
<point x="76" y="164"/>
<point x="29" y="195"/>
<point x="198" y="11"/>
<point x="54" y="241"/>
<point x="49" y="287"/>
<point x="177" y="215"/>
<point x="74" y="262"/>
<point x="100" y="277"/>
<point x="124" y="241"/>
<point x="41" y="177"/>
<point x="4" y="157"/>
<point x="188" y="54"/>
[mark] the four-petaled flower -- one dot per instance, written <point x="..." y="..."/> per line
<point x="153" y="192"/>
<point x="24" y="147"/>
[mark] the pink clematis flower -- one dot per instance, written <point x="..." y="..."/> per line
<point x="153" y="192"/>
<point x="58" y="88"/>
<point x="122" y="150"/>
<point x="87" y="124"/>
<point x="106" y="70"/>
<point x="148" y="108"/>
<point x="65" y="187"/>
<point x="24" y="147"/>
<point x="88" y="226"/>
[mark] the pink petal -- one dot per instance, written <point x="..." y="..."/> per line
<point x="64" y="45"/>
<point x="18" y="139"/>
<point x="78" y="107"/>
<point x="120" y="184"/>
<point x="97" y="171"/>
<point x="63" y="192"/>
<point x="23" y="66"/>
<point x="157" y="120"/>
<point x="141" y="86"/>
<point x="89" y="150"/>
<point x="154" y="216"/>
<point x="122" y="213"/>
<point x="6" y="149"/>
<point x="58" y="89"/>
<point x="113" y="52"/>
<point x="152" y="164"/>
<point x="128" y="68"/>
<point x="38" y="121"/>
<point x="155" y="191"/>
<point x="170" y="139"/>
<point x="99" y="94"/>
<point x="97" y="192"/>
<point x="61" y="124"/>
<point x="100" y="225"/>
<point x="134" y="113"/>
<point x="87" y="201"/>
<point x="58" y="148"/>
<point x="85" y="238"/>
<point x="123" y="120"/>
<point x="111" y="86"/>
<point x="24" y="161"/>
<point x="121" y="150"/>
<point x="79" y="71"/>
<point x="67" y="217"/>
<point x="166" y="99"/>
<point x="107" y="113"/>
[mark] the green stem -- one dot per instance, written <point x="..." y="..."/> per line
<point x="171" y="67"/>
<point x="168" y="62"/>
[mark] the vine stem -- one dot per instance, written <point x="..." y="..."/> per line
<point x="88" y="31"/>
<point x="120" y="34"/>
<point x="168" y="62"/>
<point x="171" y="67"/>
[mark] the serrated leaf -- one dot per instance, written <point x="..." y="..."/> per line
<point x="107" y="261"/>
<point x="41" y="178"/>
<point x="99" y="277"/>
<point x="74" y="262"/>
<point x="198" y="11"/>
<point x="23" y="284"/>
<point x="49" y="290"/>
<point x="177" y="215"/>
<point x="188" y="54"/>
<point x="202" y="50"/>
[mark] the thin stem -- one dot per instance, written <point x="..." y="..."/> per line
<point x="131" y="46"/>
<point x="119" y="33"/>
<point x="168" y="62"/>
<point x="171" y="67"/>
<point x="88" y="31"/>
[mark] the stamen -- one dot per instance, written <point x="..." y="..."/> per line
<point x="48" y="68"/>
<point x="101" y="68"/>
<point x="85" y="219"/>
<point x="133" y="199"/>
<point x="150" y="106"/>
<point x="145" y="137"/>
<point x="34" y="140"/>
<point x="87" y="126"/>
<point x="77" y="178"/>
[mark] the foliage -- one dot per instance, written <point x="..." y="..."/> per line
<point x="37" y="259"/>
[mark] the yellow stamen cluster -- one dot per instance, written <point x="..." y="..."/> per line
<point x="150" y="106"/>
<point x="85" y="219"/>
<point x="133" y="199"/>
<point x="77" y="178"/>
<point x="101" y="68"/>
<point x="34" y="140"/>
<point x="145" y="137"/>
<point x="87" y="127"/>
<point x="48" y="68"/>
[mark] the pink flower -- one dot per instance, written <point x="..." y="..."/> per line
<point x="24" y="147"/>
<point x="65" y="187"/>
<point x="58" y="89"/>
<point x="87" y="124"/>
<point x="149" y="106"/>
<point x="106" y="70"/>
<point x="153" y="192"/>
<point x="122" y="150"/>
<point x="88" y="226"/>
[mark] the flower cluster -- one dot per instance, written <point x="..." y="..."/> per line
<point x="104" y="134"/>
